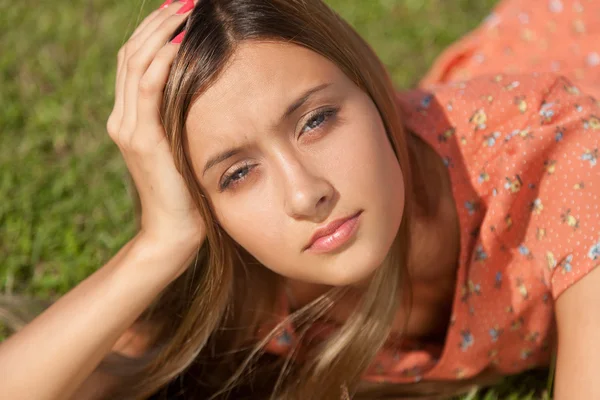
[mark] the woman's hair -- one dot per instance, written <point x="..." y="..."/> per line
<point x="207" y="319"/>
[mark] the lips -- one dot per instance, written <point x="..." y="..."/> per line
<point x="329" y="229"/>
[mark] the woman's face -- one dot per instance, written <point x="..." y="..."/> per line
<point x="283" y="144"/>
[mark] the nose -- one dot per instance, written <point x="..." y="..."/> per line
<point x="307" y="195"/>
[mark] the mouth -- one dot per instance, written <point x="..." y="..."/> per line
<point x="333" y="235"/>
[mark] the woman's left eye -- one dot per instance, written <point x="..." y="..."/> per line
<point x="318" y="118"/>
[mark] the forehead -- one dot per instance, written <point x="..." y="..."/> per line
<point x="257" y="84"/>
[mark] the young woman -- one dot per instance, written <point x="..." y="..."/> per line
<point x="306" y="232"/>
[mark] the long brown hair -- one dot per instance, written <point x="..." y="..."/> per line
<point x="206" y="330"/>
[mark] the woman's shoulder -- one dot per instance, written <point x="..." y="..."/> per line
<point x="526" y="147"/>
<point x="486" y="125"/>
<point x="479" y="105"/>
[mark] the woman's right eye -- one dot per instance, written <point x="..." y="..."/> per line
<point x="232" y="179"/>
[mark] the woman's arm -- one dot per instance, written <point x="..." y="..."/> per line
<point x="136" y="340"/>
<point x="56" y="352"/>
<point x="578" y="359"/>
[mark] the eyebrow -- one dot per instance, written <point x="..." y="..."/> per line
<point x="289" y="111"/>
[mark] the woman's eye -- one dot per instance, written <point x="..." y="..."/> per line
<point x="315" y="121"/>
<point x="318" y="118"/>
<point x="235" y="177"/>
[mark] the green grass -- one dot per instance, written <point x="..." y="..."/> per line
<point x="65" y="206"/>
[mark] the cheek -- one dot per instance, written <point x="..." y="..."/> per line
<point x="367" y="166"/>
<point x="255" y="225"/>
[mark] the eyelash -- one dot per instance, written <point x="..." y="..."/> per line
<point x="326" y="113"/>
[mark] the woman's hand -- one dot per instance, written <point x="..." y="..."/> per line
<point x="169" y="216"/>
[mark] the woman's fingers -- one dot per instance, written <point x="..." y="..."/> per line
<point x="146" y="23"/>
<point x="139" y="63"/>
<point x="151" y="17"/>
<point x="140" y="38"/>
<point x="147" y="26"/>
<point x="165" y="17"/>
<point x="114" y="120"/>
<point x="150" y="93"/>
<point x="141" y="59"/>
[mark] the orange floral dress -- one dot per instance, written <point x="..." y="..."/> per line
<point x="521" y="144"/>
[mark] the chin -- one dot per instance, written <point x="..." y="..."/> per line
<point x="357" y="266"/>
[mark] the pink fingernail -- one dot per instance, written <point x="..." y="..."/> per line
<point x="189" y="4"/>
<point x="165" y="4"/>
<point x="177" y="39"/>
